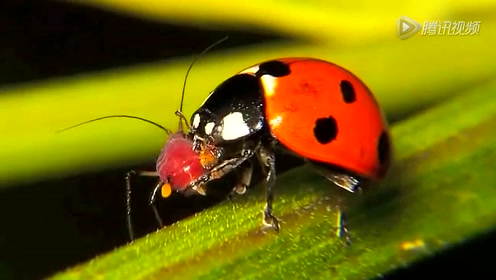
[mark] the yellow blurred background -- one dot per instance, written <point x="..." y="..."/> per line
<point x="404" y="74"/>
<point x="407" y="76"/>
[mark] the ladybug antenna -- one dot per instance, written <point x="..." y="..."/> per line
<point x="179" y="112"/>
<point x="120" y="116"/>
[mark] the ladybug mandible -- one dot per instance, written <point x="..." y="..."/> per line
<point x="313" y="108"/>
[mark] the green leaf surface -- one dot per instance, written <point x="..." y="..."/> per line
<point x="439" y="193"/>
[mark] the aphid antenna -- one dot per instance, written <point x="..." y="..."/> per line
<point x="179" y="113"/>
<point x="120" y="116"/>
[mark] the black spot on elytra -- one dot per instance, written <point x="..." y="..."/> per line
<point x="383" y="148"/>
<point x="273" y="68"/>
<point x="325" y="130"/>
<point x="347" y="91"/>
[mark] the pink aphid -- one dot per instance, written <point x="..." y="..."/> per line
<point x="178" y="164"/>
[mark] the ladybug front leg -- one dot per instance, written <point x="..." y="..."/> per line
<point x="267" y="160"/>
<point x="221" y="169"/>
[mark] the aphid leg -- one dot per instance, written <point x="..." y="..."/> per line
<point x="341" y="228"/>
<point x="267" y="160"/>
<point x="153" y="199"/>
<point x="128" y="197"/>
<point x="244" y="179"/>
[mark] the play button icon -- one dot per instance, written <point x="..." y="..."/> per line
<point x="406" y="27"/>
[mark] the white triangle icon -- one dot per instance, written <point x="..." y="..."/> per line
<point x="406" y="27"/>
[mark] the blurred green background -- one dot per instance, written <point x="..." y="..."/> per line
<point x="65" y="62"/>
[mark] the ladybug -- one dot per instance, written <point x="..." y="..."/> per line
<point x="308" y="107"/>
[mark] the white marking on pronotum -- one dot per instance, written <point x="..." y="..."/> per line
<point x="196" y="121"/>
<point x="209" y="127"/>
<point x="234" y="126"/>
<point x="270" y="84"/>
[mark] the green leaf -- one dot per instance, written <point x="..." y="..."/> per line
<point x="439" y="193"/>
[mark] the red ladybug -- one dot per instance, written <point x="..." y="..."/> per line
<point x="309" y="107"/>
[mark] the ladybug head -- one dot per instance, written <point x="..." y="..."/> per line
<point x="206" y="127"/>
<point x="226" y="127"/>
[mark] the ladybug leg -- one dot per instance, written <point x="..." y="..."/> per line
<point x="223" y="168"/>
<point x="244" y="179"/>
<point x="267" y="160"/>
<point x="341" y="228"/>
<point x="343" y="180"/>
<point x="128" y="199"/>
<point x="346" y="182"/>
